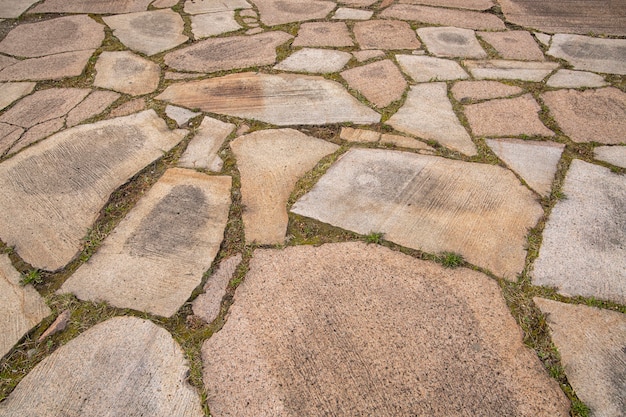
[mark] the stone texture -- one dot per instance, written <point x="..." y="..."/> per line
<point x="368" y="54"/>
<point x="592" y="115"/>
<point x="380" y="82"/>
<point x="583" y="243"/>
<point x="515" y="44"/>
<point x="94" y="104"/>
<point x="179" y="115"/>
<point x="51" y="67"/>
<point x="283" y="100"/>
<point x="58" y="325"/>
<point x="213" y="24"/>
<point x="148" y="32"/>
<point x="357" y="3"/>
<point x="359" y="135"/>
<point x="318" y="61"/>
<point x="91" y="6"/>
<point x="270" y="163"/>
<point x="130" y="107"/>
<point x="334" y="34"/>
<point x="427" y="113"/>
<point x="482" y="90"/>
<point x="615" y="155"/>
<point x="278" y="12"/>
<point x="575" y="79"/>
<point x="202" y="149"/>
<point x="346" y="13"/>
<point x="21" y="307"/>
<point x="457" y="4"/>
<point x="9" y="92"/>
<point x="543" y="38"/>
<point x="445" y="17"/>
<point x="127" y="73"/>
<point x="385" y="34"/>
<point x="11" y="9"/>
<point x="429" y="203"/>
<point x="536" y="162"/>
<point x="426" y="68"/>
<point x="510" y="70"/>
<point x="9" y="134"/>
<point x="164" y="4"/>
<point x="6" y="61"/>
<point x="214" y="6"/>
<point x="38" y="132"/>
<point x="591" y="54"/>
<point x="52" y="192"/>
<point x="352" y="329"/>
<point x="451" y="42"/>
<point x="591" y="344"/>
<point x="234" y="52"/>
<point x="44" y="105"/>
<point x="124" y="366"/>
<point x="403" y="142"/>
<point x="506" y="117"/>
<point x="207" y="305"/>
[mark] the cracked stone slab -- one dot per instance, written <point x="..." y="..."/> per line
<point x="163" y="4"/>
<point x="456" y="4"/>
<point x="381" y="82"/>
<point x="347" y="13"/>
<point x="179" y="115"/>
<point x="156" y="256"/>
<point x="510" y="70"/>
<point x="213" y="24"/>
<point x="368" y="54"/>
<point x="52" y="192"/>
<point x="9" y="135"/>
<point x="615" y="155"/>
<point x="464" y="91"/>
<point x="12" y="9"/>
<point x="130" y="107"/>
<point x="214" y="6"/>
<point x="429" y="203"/>
<point x="123" y="366"/>
<point x="10" y="92"/>
<point x="51" y="67"/>
<point x="385" y="34"/>
<point x="514" y="44"/>
<point x="202" y="149"/>
<point x="403" y="142"/>
<point x="278" y="12"/>
<point x="318" y="61"/>
<point x="591" y="54"/>
<point x="284" y="99"/>
<point x="451" y="42"/>
<point x="359" y="135"/>
<point x="468" y="19"/>
<point x="91" y="6"/>
<point x="396" y="339"/>
<point x="127" y="73"/>
<point x="207" y="305"/>
<point x="575" y="79"/>
<point x="95" y="103"/>
<point x="427" y="68"/>
<point x="270" y="163"/>
<point x="6" y="61"/>
<point x="334" y="34"/>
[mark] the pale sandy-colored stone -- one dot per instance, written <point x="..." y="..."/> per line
<point x="213" y="24"/>
<point x="615" y="155"/>
<point x="359" y="135"/>
<point x="575" y="79"/>
<point x="6" y="61"/>
<point x="543" y="38"/>
<point x="38" y="132"/>
<point x="510" y="70"/>
<point x="44" y="105"/>
<point x="214" y="6"/>
<point x="179" y="115"/>
<point x="381" y="82"/>
<point x="385" y="34"/>
<point x="515" y="44"/>
<point x="163" y="4"/>
<point x="202" y="149"/>
<point x="445" y="17"/>
<point x="457" y="4"/>
<point x="323" y="34"/>
<point x="51" y="67"/>
<point x="130" y="107"/>
<point x="207" y="305"/>
<point x="92" y="6"/>
<point x="427" y="68"/>
<point x="58" y="325"/>
<point x="591" y="54"/>
<point x="451" y="42"/>
<point x="483" y="90"/>
<point x="94" y="104"/>
<point x="9" y="134"/>
<point x="318" y="61"/>
<point x="9" y="92"/>
<point x="346" y="13"/>
<point x="368" y="54"/>
<point x="127" y="73"/>
<point x="278" y="12"/>
<point x="403" y="142"/>
<point x="171" y="75"/>
<point x="357" y="3"/>
<point x="11" y="9"/>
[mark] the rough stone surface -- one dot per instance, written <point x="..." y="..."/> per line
<point x="368" y="54"/>
<point x="9" y="134"/>
<point x="591" y="344"/>
<point x="278" y="12"/>
<point x="6" y="61"/>
<point x="207" y="305"/>
<point x="515" y="44"/>
<point x="457" y="4"/>
<point x="380" y="82"/>
<point x="427" y="68"/>
<point x="58" y="325"/>
<point x="615" y="155"/>
<point x="9" y="92"/>
<point x="403" y="142"/>
<point x="346" y="13"/>
<point x="164" y="4"/>
<point x="323" y="34"/>
<point x="92" y="6"/>
<point x="44" y="105"/>
<point x="214" y="6"/>
<point x="575" y="79"/>
<point x="510" y="70"/>
<point x="482" y="90"/>
<point x="451" y="42"/>
<point x="591" y="54"/>
<point x="11" y="9"/>
<point x="124" y="366"/>
<point x="94" y="104"/>
<point x="38" y="132"/>
<point x="179" y="115"/>
<point x="52" y="192"/>
<point x="318" y="61"/>
<point x="543" y="38"/>
<point x="444" y="17"/>
<point x="401" y="337"/>
<point x="429" y="203"/>
<point x="213" y="24"/>
<point x="270" y="163"/>
<point x="127" y="73"/>
<point x="202" y="149"/>
<point x="359" y="135"/>
<point x="385" y="34"/>
<point x="130" y="107"/>
<point x="51" y="67"/>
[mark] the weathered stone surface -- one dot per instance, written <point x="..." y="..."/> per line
<point x="444" y="17"/>
<point x="368" y="54"/>
<point x="58" y="325"/>
<point x="171" y="75"/>
<point x="207" y="305"/>
<point x="380" y="82"/>
<point x="124" y="366"/>
<point x="6" y="61"/>
<point x="403" y="142"/>
<point x="536" y="162"/>
<point x="515" y="44"/>
<point x="592" y="115"/>
<point x="427" y="68"/>
<point x="148" y="32"/>
<point x="510" y="70"/>
<point x="52" y="192"/>
<point x="51" y="67"/>
<point x="429" y="203"/>
<point x="318" y="61"/>
<point x="202" y="149"/>
<point x="9" y="92"/>
<point x="323" y="34"/>
<point x="270" y="163"/>
<point x="38" y="132"/>
<point x="591" y="54"/>
<point x="179" y="115"/>
<point x="214" y="6"/>
<point x="359" y="135"/>
<point x="543" y="38"/>
<point x="346" y="13"/>
<point x="278" y="12"/>
<point x="385" y="34"/>
<point x="575" y="79"/>
<point x="357" y="3"/>
<point x="282" y="100"/>
<point x="506" y="117"/>
<point x="21" y="307"/>
<point x="591" y="344"/>
<point x="212" y="24"/>
<point x="451" y="42"/>
<point x="482" y="90"/>
<point x="11" y="9"/>
<point x="615" y="155"/>
<point x="401" y="337"/>
<point x="130" y="107"/>
<point x="44" y="105"/>
<point x="234" y="52"/>
<point x="9" y="134"/>
<point x="92" y="105"/>
<point x="92" y="6"/>
<point x="127" y="73"/>
<point x="427" y="113"/>
<point x="163" y="4"/>
<point x="458" y="4"/>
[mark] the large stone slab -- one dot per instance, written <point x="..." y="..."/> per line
<point x="207" y="305"/>
<point x="270" y="163"/>
<point x="457" y="4"/>
<point x="323" y="34"/>
<point x="591" y="344"/>
<point x="51" y="67"/>
<point x="482" y="90"/>
<point x="212" y="24"/>
<point x="592" y="54"/>
<point x="429" y="203"/>
<point x="583" y="243"/>
<point x="202" y="149"/>
<point x="427" y="113"/>
<point x="278" y="12"/>
<point x="380" y="82"/>
<point x="352" y="329"/>
<point x="451" y="42"/>
<point x="427" y="68"/>
<point x="127" y="73"/>
<point x="96" y="102"/>
<point x="214" y="6"/>
<point x="510" y="70"/>
<point x="313" y="60"/>
<point x="11" y="9"/>
<point x="124" y="366"/>
<point x="283" y="100"/>
<point x="385" y="34"/>
<point x="9" y="92"/>
<point x="615" y="155"/>
<point x="52" y="192"/>
<point x="575" y="79"/>
<point x="345" y="13"/>
<point x="92" y="6"/>
<point x="445" y="17"/>
<point x="514" y="44"/>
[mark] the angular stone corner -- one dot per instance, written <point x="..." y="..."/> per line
<point x="427" y="68"/>
<point x="615" y="155"/>
<point x="464" y="91"/>
<point x="50" y="67"/>
<point x="510" y="70"/>
<point x="202" y="149"/>
<point x="381" y="82"/>
<point x="207" y="305"/>
<point x="444" y="17"/>
<point x="127" y="73"/>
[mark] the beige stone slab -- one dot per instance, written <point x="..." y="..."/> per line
<point x="130" y="107"/>
<point x="483" y="90"/>
<point x="381" y="82"/>
<point x="21" y="307"/>
<point x="445" y="17"/>
<point x="38" y="132"/>
<point x="51" y="67"/>
<point x="214" y="6"/>
<point x="334" y="34"/>
<point x="359" y="135"/>
<point x="171" y="75"/>
<point x="278" y="12"/>
<point x="52" y="192"/>
<point x="6" y="61"/>
<point x="270" y="163"/>
<point x="591" y="54"/>
<point x="285" y="99"/>
<point x="124" y="366"/>
<point x="11" y="9"/>
<point x="360" y="330"/>
<point x="451" y="42"/>
<point x="313" y="60"/>
<point x="385" y="34"/>
<point x="9" y="92"/>
<point x="510" y="70"/>
<point x="368" y="54"/>
<point x="94" y="104"/>
<point x="543" y="38"/>
<point x="357" y="3"/>
<point x="591" y="345"/>
<point x="615" y="155"/>
<point x="575" y="79"/>
<point x="428" y="68"/>
<point x="403" y="142"/>
<point x="208" y="304"/>
<point x="202" y="149"/>
<point x="44" y="105"/>
<point x="163" y="4"/>
<point x="9" y="134"/>
<point x="92" y="6"/>
<point x="346" y="13"/>
<point x="514" y="44"/>
<point x="179" y="115"/>
<point x="127" y="73"/>
<point x="457" y="4"/>
<point x="213" y="24"/>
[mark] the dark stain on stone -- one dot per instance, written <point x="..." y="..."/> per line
<point x="584" y="50"/>
<point x="452" y="38"/>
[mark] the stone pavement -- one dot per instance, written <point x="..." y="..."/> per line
<point x="312" y="207"/>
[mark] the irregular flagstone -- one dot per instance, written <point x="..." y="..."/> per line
<point x="380" y="82"/>
<point x="6" y="61"/>
<point x="368" y="54"/>
<point x="95" y="103"/>
<point x="283" y="100"/>
<point x="127" y="73"/>
<point x="44" y="105"/>
<point x="278" y="12"/>
<point x="130" y="107"/>
<point x="352" y="14"/>
<point x="427" y="113"/>
<point x="207" y="305"/>
<point x="9" y="92"/>
<point x="444" y="17"/>
<point x="270" y="163"/>
<point x="510" y="70"/>
<point x="583" y="243"/>
<point x="544" y="38"/>
<point x="451" y="42"/>
<point x="124" y="366"/>
<point x="575" y="79"/>
<point x="591" y="54"/>
<point x="179" y="115"/>
<point x="403" y="142"/>
<point x="51" y="67"/>
<point x="156" y="256"/>
<point x="214" y="6"/>
<point x="234" y="52"/>
<point x="536" y="162"/>
<point x="92" y="6"/>
<point x="429" y="203"/>
<point x="359" y="135"/>
<point x="482" y="90"/>
<point x="427" y="68"/>
<point x="38" y="132"/>
<point x="11" y="9"/>
<point x="202" y="149"/>
<point x="21" y="307"/>
<point x="9" y="134"/>
<point x="615" y="155"/>
<point x="318" y="61"/>
<point x="323" y="34"/>
<point x="356" y="329"/>
<point x="591" y="345"/>
<point x="52" y="192"/>
<point x="459" y="4"/>
<point x="161" y="4"/>
<point x="592" y="115"/>
<point x="212" y="24"/>
<point x="515" y="44"/>
<point x="385" y="34"/>
<point x="357" y="3"/>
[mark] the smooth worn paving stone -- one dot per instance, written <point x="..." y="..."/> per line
<point x="591" y="345"/>
<point x="457" y="4"/>
<point x="213" y="24"/>
<point x="214" y="6"/>
<point x="10" y="92"/>
<point x="284" y="99"/>
<point x="429" y="203"/>
<point x="278" y="12"/>
<point x="156" y="256"/>
<point x="163" y="4"/>
<point x="51" y="67"/>
<point x="615" y="155"/>
<point x="6" y="61"/>
<point x="445" y="17"/>
<point x="591" y="54"/>
<point x="346" y="13"/>
<point x="543" y="38"/>
<point x="318" y="61"/>
<point x="359" y="135"/>
<point x="179" y="115"/>
<point x="9" y="134"/>
<point x="38" y="132"/>
<point x="202" y="149"/>
<point x="361" y="330"/>
<point x="357" y="3"/>
<point x="270" y="163"/>
<point x="515" y="44"/>
<point x="451" y="42"/>
<point x="381" y="82"/>
<point x="248" y="13"/>
<point x="482" y="90"/>
<point x="127" y="73"/>
<point x="385" y="34"/>
<point x="368" y="54"/>
<point x="510" y="70"/>
<point x="536" y="162"/>
<point x="208" y="304"/>
<point x="130" y="107"/>
<point x="124" y="366"/>
<point x="575" y="79"/>
<point x="506" y="117"/>
<point x="11" y="9"/>
<point x="403" y="142"/>
<point x="21" y="306"/>
<point x="583" y="242"/>
<point x="427" y="68"/>
<point x="218" y="54"/>
<point x="52" y="192"/>
<point x="589" y="116"/>
<point x="92" y="6"/>
<point x="94" y="104"/>
<point x="334" y="34"/>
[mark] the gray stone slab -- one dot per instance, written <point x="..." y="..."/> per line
<point x="385" y="34"/>
<point x="127" y="73"/>
<point x="381" y="82"/>
<point x="202" y="149"/>
<point x="510" y="70"/>
<point x="427" y="68"/>
<point x="317" y="61"/>
<point x="583" y="243"/>
<point x="429" y="203"/>
<point x="11" y="9"/>
<point x="44" y="105"/>
<point x="52" y="192"/>
<point x="575" y="79"/>
<point x="214" y="6"/>
<point x="51" y="67"/>
<point x="124" y="366"/>
<point x="543" y="38"/>
<point x="445" y="17"/>
<point x="179" y="115"/>
<point x="346" y="13"/>
<point x="591" y="54"/>
<point x="278" y="12"/>
<point x="334" y="34"/>
<point x="270" y="163"/>
<point x="283" y="100"/>
<point x="94" y="104"/>
<point x="208" y="304"/>
<point x="9" y="92"/>
<point x="360" y="330"/>
<point x="482" y="90"/>
<point x="451" y="42"/>
<point x="615" y="155"/>
<point x="213" y="24"/>
<point x="92" y="6"/>
<point x="514" y="44"/>
<point x="457" y="4"/>
<point x="591" y="344"/>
